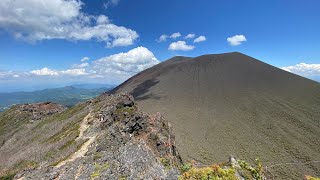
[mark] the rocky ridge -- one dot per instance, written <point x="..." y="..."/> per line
<point x="38" y="111"/>
<point x="127" y="144"/>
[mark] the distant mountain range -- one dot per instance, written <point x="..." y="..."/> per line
<point x="93" y="86"/>
<point x="67" y="96"/>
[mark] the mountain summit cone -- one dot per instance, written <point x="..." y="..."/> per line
<point x="231" y="103"/>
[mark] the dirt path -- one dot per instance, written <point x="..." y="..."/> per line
<point x="84" y="148"/>
<point x="83" y="126"/>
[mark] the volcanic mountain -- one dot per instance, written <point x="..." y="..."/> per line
<point x="223" y="104"/>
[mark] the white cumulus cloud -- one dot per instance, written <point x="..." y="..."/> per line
<point x="45" y="72"/>
<point x="82" y="65"/>
<point x="304" y="69"/>
<point x="127" y="63"/>
<point x="110" y="3"/>
<point x="163" y="38"/>
<point x="10" y="74"/>
<point x="49" y="72"/>
<point x="175" y="35"/>
<point x="112" y="69"/>
<point x="236" y="40"/>
<point x="36" y="20"/>
<point x="102" y="19"/>
<point x="190" y="36"/>
<point x="85" y="59"/>
<point x="200" y="39"/>
<point x="180" y="45"/>
<point x="74" y="72"/>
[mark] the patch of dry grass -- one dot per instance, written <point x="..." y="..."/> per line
<point x="48" y="140"/>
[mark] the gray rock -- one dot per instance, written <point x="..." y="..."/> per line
<point x="129" y="144"/>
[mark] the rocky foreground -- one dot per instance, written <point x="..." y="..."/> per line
<point x="124" y="143"/>
<point x="104" y="138"/>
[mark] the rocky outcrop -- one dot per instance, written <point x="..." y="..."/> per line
<point x="38" y="111"/>
<point x="127" y="144"/>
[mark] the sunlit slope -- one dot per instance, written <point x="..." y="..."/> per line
<point x="233" y="104"/>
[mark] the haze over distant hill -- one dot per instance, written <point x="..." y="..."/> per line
<point x="93" y="86"/>
<point x="67" y="96"/>
<point x="231" y="103"/>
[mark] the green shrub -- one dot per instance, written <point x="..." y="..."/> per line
<point x="94" y="175"/>
<point x="255" y="172"/>
<point x="97" y="155"/>
<point x="311" y="178"/>
<point x="120" y="112"/>
<point x="185" y="167"/>
<point x="98" y="168"/>
<point x="223" y="171"/>
<point x="8" y="177"/>
<point x="214" y="172"/>
<point x="165" y="162"/>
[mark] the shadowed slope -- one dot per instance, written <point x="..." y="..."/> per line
<point x="233" y="104"/>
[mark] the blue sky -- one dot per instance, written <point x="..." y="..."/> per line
<point x="42" y="42"/>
